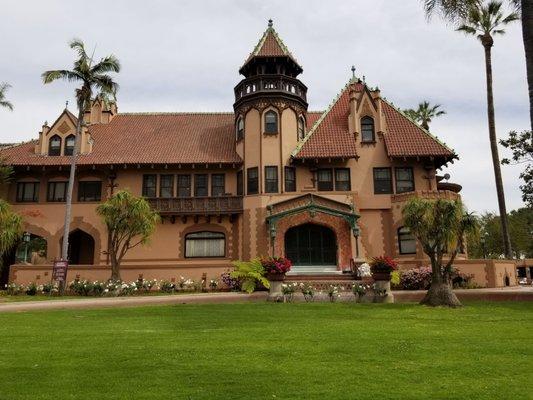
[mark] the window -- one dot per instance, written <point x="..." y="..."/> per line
<point x="382" y="181"/>
<point x="149" y="185"/>
<point x="290" y="179"/>
<point x="28" y="192"/>
<point x="200" y="185"/>
<point x="90" y="191"/>
<point x="404" y="180"/>
<point x="240" y="128"/>
<point x="325" y="179"/>
<point x="252" y="183"/>
<point x="367" y="129"/>
<point x="301" y="128"/>
<point x="218" y="185"/>
<point x="205" y="244"/>
<point x="406" y="241"/>
<point x="342" y="179"/>
<point x="54" y="146"/>
<point x="184" y="186"/>
<point x="271" y="122"/>
<point x="240" y="184"/>
<point x="166" y="186"/>
<point x="69" y="145"/>
<point x="57" y="191"/>
<point x="271" y="179"/>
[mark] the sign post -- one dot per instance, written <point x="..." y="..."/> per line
<point x="59" y="274"/>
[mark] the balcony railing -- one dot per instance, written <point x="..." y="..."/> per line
<point x="221" y="205"/>
<point x="263" y="84"/>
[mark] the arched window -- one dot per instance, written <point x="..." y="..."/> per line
<point x="69" y="145"/>
<point x="54" y="146"/>
<point x="406" y="241"/>
<point x="301" y="128"/>
<point x="271" y="122"/>
<point x="205" y="244"/>
<point x="367" y="129"/>
<point x="240" y="128"/>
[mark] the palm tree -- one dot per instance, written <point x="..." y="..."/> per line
<point x="425" y="113"/>
<point x="10" y="228"/>
<point x="91" y="77"/>
<point x="457" y="10"/>
<point x="4" y="87"/>
<point x="484" y="22"/>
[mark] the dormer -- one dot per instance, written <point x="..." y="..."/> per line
<point x="366" y="119"/>
<point x="101" y="111"/>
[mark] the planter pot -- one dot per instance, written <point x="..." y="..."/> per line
<point x="275" y="277"/>
<point x="381" y="276"/>
<point x="276" y="281"/>
<point x="383" y="286"/>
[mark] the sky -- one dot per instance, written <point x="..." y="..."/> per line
<point x="184" y="56"/>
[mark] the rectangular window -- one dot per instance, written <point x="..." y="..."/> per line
<point x="218" y="185"/>
<point x="271" y="179"/>
<point x="57" y="191"/>
<point x="342" y="179"/>
<point x="252" y="180"/>
<point x="382" y="181"/>
<point x="28" y="192"/>
<point x="200" y="185"/>
<point x="325" y="179"/>
<point x="240" y="184"/>
<point x="90" y="191"/>
<point x="205" y="244"/>
<point x="149" y="185"/>
<point x="184" y="186"/>
<point x="405" y="181"/>
<point x="166" y="186"/>
<point x="290" y="179"/>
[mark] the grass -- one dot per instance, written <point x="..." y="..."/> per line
<point x="269" y="351"/>
<point x="7" y="298"/>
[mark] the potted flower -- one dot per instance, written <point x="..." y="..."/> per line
<point x="381" y="268"/>
<point x="276" y="267"/>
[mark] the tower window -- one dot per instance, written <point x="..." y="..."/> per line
<point x="54" y="146"/>
<point x="301" y="128"/>
<point x="290" y="179"/>
<point x="367" y="130"/>
<point x="406" y="241"/>
<point x="240" y="128"/>
<point x="252" y="183"/>
<point x="271" y="179"/>
<point x="271" y="122"/>
<point x="69" y="145"/>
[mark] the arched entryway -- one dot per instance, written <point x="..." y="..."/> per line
<point x="311" y="245"/>
<point x="80" y="247"/>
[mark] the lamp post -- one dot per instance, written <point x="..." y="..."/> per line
<point x="26" y="237"/>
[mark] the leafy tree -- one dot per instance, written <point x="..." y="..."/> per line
<point x="425" y="113"/>
<point x="440" y="226"/>
<point x="484" y="22"/>
<point x="4" y="87"/>
<point x="250" y="273"/>
<point x="91" y="77"/>
<point x="130" y="222"/>
<point x="10" y="227"/>
<point x="522" y="147"/>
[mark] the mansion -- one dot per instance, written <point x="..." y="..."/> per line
<point x="324" y="189"/>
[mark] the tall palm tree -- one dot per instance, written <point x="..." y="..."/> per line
<point x="425" y="113"/>
<point x="485" y="21"/>
<point x="92" y="78"/>
<point x="457" y="10"/>
<point x="4" y="87"/>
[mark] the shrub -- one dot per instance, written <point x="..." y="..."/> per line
<point x="166" y="286"/>
<point x="416" y="279"/>
<point x="308" y="291"/>
<point x="288" y="290"/>
<point x="463" y="281"/>
<point x="251" y="274"/>
<point x="234" y="284"/>
<point x="31" y="289"/>
<point x="333" y="293"/>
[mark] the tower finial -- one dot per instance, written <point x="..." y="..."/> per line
<point x="270" y="23"/>
<point x="353" y="71"/>
<point x="66" y="105"/>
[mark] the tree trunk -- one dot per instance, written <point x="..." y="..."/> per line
<point x="115" y="267"/>
<point x="527" y="33"/>
<point x="487" y="44"/>
<point x="441" y="294"/>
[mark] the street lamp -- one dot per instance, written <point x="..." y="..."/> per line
<point x="26" y="237"/>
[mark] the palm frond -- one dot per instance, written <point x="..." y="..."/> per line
<point x="63" y="74"/>
<point x="107" y="64"/>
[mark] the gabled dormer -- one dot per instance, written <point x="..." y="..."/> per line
<point x="101" y="111"/>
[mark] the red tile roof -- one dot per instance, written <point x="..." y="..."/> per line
<point x="405" y="138"/>
<point x="158" y="138"/>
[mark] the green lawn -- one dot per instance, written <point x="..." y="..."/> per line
<point x="270" y="351"/>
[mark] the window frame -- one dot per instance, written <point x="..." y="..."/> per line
<point x="271" y="128"/>
<point x="287" y="181"/>
<point x="239" y="131"/>
<point x="91" y="199"/>
<point x="213" y="186"/>
<point x="197" y="186"/>
<point x="145" y="187"/>
<point x="69" y="150"/>
<point x="187" y="238"/>
<point x="162" y="177"/>
<point x="20" y="196"/>
<point x="57" y="150"/>
<point x="401" y="239"/>
<point x="269" y="183"/>
<point x="50" y="197"/>
<point x="338" y="182"/>
<point x="330" y="187"/>
<point x="179" y="187"/>
<point x="390" y="188"/>
<point x="300" y="133"/>
<point x="240" y="183"/>
<point x="371" y="123"/>
<point x="396" y="178"/>
<point x="254" y="181"/>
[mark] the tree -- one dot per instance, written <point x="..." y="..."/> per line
<point x="456" y="10"/>
<point x="522" y="147"/>
<point x="91" y="77"/>
<point x="130" y="222"/>
<point x="10" y="227"/>
<point x="484" y="22"/>
<point x="4" y="87"/>
<point x="440" y="226"/>
<point x="425" y="113"/>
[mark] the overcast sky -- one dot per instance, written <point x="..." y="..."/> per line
<point x="185" y="56"/>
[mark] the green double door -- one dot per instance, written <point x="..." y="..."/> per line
<point x="310" y="244"/>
